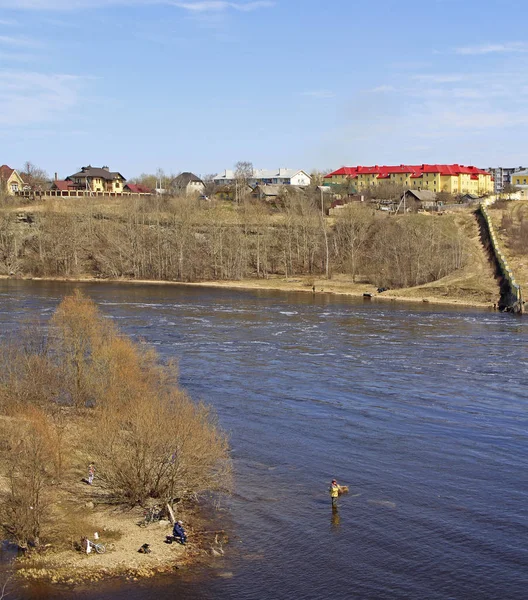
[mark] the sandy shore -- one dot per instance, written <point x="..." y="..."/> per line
<point x="121" y="558"/>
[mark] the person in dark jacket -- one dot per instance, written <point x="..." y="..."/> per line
<point x="178" y="533"/>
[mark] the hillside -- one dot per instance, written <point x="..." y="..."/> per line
<point x="414" y="257"/>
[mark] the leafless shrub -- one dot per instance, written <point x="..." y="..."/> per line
<point x="29" y="461"/>
<point x="149" y="439"/>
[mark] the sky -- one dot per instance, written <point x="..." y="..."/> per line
<point x="197" y="85"/>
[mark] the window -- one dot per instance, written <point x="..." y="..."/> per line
<point x="14" y="187"/>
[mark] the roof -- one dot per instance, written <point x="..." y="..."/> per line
<point x="183" y="179"/>
<point x="522" y="173"/>
<point x="138" y="188"/>
<point x="100" y="172"/>
<point x="270" y="190"/>
<point x="422" y="195"/>
<point x="63" y="185"/>
<point x="416" y="171"/>
<point x="6" y="172"/>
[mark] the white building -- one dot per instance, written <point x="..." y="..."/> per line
<point x="267" y="177"/>
<point x="502" y="176"/>
<point x="188" y="184"/>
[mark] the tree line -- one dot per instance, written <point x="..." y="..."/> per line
<point x="179" y="239"/>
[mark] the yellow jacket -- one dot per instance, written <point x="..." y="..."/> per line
<point x="334" y="491"/>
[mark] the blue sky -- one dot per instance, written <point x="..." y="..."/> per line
<point x="200" y="84"/>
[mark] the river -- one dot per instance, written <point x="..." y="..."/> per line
<point x="421" y="410"/>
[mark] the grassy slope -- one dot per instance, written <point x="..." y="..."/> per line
<point x="518" y="261"/>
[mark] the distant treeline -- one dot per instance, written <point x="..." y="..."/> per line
<point x="182" y="240"/>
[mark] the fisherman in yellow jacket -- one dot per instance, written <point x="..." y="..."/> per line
<point x="334" y="491"/>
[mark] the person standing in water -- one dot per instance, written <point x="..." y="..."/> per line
<point x="334" y="492"/>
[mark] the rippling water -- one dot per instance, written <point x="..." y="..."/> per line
<point x="422" y="411"/>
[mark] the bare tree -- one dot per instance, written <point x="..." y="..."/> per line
<point x="509" y="189"/>
<point x="243" y="174"/>
<point x="34" y="176"/>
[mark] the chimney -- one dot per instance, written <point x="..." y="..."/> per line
<point x="56" y="177"/>
<point x="105" y="167"/>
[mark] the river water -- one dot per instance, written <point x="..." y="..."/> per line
<point x="421" y="410"/>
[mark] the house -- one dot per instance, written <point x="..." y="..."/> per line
<point x="414" y="200"/>
<point x="187" y="184"/>
<point x="520" y="178"/>
<point x="10" y="180"/>
<point x="137" y="188"/>
<point x="266" y="177"/>
<point x="267" y="192"/>
<point x="95" y="179"/>
<point x="63" y="186"/>
<point x="454" y="179"/>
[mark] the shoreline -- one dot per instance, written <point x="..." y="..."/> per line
<point x="303" y="284"/>
<point x="118" y="530"/>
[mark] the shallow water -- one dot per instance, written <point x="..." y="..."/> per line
<point x="421" y="410"/>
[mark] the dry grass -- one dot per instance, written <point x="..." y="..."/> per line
<point x="508" y="218"/>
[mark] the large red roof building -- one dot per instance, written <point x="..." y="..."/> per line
<point x="455" y="178"/>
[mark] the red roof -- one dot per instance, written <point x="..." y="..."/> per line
<point x="64" y="186"/>
<point x="5" y="172"/>
<point x="384" y="172"/>
<point x="138" y="188"/>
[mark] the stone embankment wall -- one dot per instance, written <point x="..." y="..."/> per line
<point x="511" y="293"/>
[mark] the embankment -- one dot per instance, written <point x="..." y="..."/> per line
<point x="511" y="299"/>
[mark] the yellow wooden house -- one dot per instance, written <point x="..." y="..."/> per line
<point x="10" y="181"/>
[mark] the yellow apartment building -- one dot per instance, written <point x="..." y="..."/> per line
<point x="455" y="179"/>
<point x="520" y="178"/>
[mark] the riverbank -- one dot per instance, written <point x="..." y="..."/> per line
<point x="122" y="538"/>
<point x="103" y="415"/>
<point x="477" y="289"/>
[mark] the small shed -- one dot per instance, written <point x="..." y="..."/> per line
<point x="415" y="200"/>
<point x="267" y="192"/>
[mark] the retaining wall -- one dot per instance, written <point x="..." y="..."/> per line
<point x="511" y="293"/>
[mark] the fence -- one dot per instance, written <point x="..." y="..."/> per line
<point x="74" y="194"/>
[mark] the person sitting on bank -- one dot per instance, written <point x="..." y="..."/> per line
<point x="178" y="533"/>
<point x="334" y="491"/>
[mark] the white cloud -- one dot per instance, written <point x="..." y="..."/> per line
<point x="493" y="48"/>
<point x="319" y="94"/>
<point x="221" y="5"/>
<point x="439" y="78"/>
<point x="8" y="40"/>
<point x="7" y="57"/>
<point x="30" y="98"/>
<point x="197" y="6"/>
<point x="381" y="89"/>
